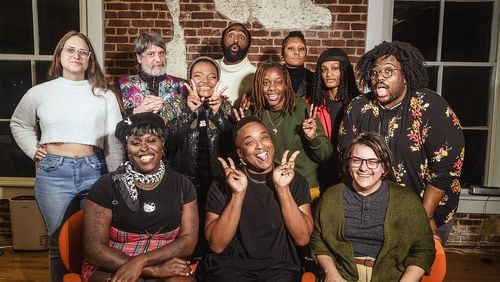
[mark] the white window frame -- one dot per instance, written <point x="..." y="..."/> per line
<point x="91" y="24"/>
<point x="379" y="28"/>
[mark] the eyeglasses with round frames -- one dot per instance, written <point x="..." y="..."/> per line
<point x="370" y="163"/>
<point x="71" y="51"/>
<point x="386" y="72"/>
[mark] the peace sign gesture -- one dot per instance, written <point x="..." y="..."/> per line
<point x="283" y="174"/>
<point x="215" y="100"/>
<point x="193" y="100"/>
<point x="235" y="178"/>
<point x="309" y="125"/>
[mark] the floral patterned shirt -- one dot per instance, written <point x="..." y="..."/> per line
<point x="134" y="88"/>
<point x="425" y="138"/>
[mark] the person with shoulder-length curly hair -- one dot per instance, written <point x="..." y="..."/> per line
<point x="76" y="114"/>
<point x="292" y="122"/>
<point x="422" y="131"/>
<point x="334" y="88"/>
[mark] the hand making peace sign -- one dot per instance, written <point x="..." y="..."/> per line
<point x="309" y="125"/>
<point x="194" y="101"/>
<point x="283" y="174"/>
<point x="236" y="179"/>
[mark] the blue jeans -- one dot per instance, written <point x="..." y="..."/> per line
<point x="61" y="183"/>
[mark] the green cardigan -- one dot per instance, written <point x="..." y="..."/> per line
<point x="290" y="136"/>
<point x="408" y="237"/>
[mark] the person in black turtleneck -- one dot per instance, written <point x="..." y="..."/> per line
<point x="293" y="52"/>
<point x="152" y="89"/>
<point x="200" y="132"/>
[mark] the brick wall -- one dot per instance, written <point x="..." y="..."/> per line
<point x="475" y="230"/>
<point x="203" y="25"/>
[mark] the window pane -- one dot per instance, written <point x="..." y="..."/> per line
<point x="433" y="73"/>
<point x="417" y="22"/>
<point x="16" y="80"/>
<point x="475" y="156"/>
<point x="16" y="27"/>
<point x="42" y="71"/>
<point x="55" y="18"/>
<point x="14" y="162"/>
<point x="467" y="31"/>
<point x="466" y="90"/>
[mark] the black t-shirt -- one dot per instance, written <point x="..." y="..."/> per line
<point x="160" y="209"/>
<point x="261" y="240"/>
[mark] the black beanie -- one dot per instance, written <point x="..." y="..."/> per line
<point x="333" y="54"/>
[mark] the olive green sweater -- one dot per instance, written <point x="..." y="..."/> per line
<point x="408" y="237"/>
<point x="290" y="136"/>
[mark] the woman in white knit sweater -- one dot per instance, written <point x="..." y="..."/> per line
<point x="77" y="115"/>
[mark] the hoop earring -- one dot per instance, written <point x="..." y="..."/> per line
<point x="242" y="162"/>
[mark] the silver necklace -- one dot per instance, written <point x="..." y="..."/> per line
<point x="255" y="180"/>
<point x="275" y="126"/>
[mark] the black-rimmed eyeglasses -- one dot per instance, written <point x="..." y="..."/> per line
<point x="358" y="162"/>
<point x="386" y="72"/>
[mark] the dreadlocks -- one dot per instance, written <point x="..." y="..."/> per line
<point x="347" y="88"/>
<point x="258" y="99"/>
<point x="410" y="58"/>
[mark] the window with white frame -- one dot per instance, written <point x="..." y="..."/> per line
<point x="29" y="32"/>
<point x="457" y="38"/>
<point x="459" y="41"/>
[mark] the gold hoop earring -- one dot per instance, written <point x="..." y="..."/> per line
<point x="242" y="162"/>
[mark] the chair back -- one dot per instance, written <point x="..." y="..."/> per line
<point x="71" y="243"/>
<point x="438" y="269"/>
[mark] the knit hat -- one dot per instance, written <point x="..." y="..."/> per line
<point x="203" y="59"/>
<point x="124" y="127"/>
<point x="333" y="54"/>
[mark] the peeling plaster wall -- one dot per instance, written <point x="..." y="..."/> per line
<point x="276" y="14"/>
<point x="176" y="48"/>
<point x="193" y="28"/>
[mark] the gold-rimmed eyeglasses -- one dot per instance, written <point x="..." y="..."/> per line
<point x="71" y="51"/>
<point x="386" y="72"/>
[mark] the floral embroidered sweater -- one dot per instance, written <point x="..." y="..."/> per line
<point x="425" y="138"/>
<point x="134" y="89"/>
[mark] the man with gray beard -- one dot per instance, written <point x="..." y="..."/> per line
<point x="152" y="89"/>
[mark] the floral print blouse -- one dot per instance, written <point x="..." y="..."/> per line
<point x="425" y="138"/>
<point x="134" y="88"/>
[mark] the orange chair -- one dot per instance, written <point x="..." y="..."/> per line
<point x="71" y="246"/>
<point x="438" y="269"/>
<point x="71" y="249"/>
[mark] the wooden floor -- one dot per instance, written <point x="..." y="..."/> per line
<point x="462" y="265"/>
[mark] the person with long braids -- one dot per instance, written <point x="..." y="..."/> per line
<point x="292" y="122"/>
<point x="334" y="88"/>
<point x="77" y="115"/>
<point x="422" y="131"/>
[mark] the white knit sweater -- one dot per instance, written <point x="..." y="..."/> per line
<point x="238" y="77"/>
<point x="69" y="113"/>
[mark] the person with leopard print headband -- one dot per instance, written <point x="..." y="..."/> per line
<point x="140" y="221"/>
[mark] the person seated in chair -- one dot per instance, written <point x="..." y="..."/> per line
<point x="257" y="215"/>
<point x="371" y="229"/>
<point x="141" y="221"/>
